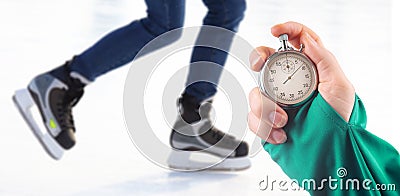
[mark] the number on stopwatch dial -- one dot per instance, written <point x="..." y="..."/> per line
<point x="290" y="78"/>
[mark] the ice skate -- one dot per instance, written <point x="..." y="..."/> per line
<point x="194" y="136"/>
<point x="53" y="94"/>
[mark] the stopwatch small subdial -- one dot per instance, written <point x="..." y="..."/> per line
<point x="287" y="66"/>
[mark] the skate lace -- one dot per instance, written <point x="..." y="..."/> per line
<point x="217" y="134"/>
<point x="64" y="108"/>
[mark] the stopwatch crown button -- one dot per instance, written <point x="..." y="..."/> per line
<point x="283" y="37"/>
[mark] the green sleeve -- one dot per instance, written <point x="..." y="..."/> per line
<point x="321" y="146"/>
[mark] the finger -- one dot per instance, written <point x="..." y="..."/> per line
<point x="265" y="131"/>
<point x="295" y="31"/>
<point x="258" y="126"/>
<point x="259" y="56"/>
<point x="277" y="136"/>
<point x="322" y="58"/>
<point x="313" y="47"/>
<point x="265" y="109"/>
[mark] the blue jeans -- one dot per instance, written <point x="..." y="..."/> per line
<point x="121" y="46"/>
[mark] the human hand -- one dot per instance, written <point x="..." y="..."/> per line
<point x="266" y="119"/>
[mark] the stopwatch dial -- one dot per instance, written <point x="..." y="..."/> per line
<point x="287" y="66"/>
<point x="291" y="78"/>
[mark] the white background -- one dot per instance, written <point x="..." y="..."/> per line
<point x="36" y="36"/>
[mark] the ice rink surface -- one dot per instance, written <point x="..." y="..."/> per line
<point x="38" y="35"/>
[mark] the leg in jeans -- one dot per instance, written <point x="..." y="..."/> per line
<point x="121" y="46"/>
<point x="221" y="13"/>
<point x="194" y="130"/>
<point x="55" y="93"/>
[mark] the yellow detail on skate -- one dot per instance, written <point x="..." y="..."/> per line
<point x="52" y="124"/>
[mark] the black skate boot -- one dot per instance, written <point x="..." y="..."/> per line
<point x="193" y="132"/>
<point x="54" y="93"/>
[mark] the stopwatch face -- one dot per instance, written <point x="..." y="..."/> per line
<point x="289" y="78"/>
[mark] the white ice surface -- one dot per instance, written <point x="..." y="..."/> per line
<point x="36" y="36"/>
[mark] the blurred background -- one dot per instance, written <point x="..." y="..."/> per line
<point x="39" y="35"/>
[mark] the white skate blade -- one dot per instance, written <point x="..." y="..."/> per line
<point x="24" y="102"/>
<point x="180" y="160"/>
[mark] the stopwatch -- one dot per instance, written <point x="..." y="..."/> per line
<point x="288" y="76"/>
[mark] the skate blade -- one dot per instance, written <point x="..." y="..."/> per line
<point x="181" y="161"/>
<point x="24" y="102"/>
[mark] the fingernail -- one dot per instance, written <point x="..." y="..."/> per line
<point x="277" y="119"/>
<point x="278" y="137"/>
<point x="255" y="60"/>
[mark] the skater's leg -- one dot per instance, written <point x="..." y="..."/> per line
<point x="121" y="46"/>
<point x="221" y="13"/>
<point x="57" y="91"/>
<point x="194" y="131"/>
